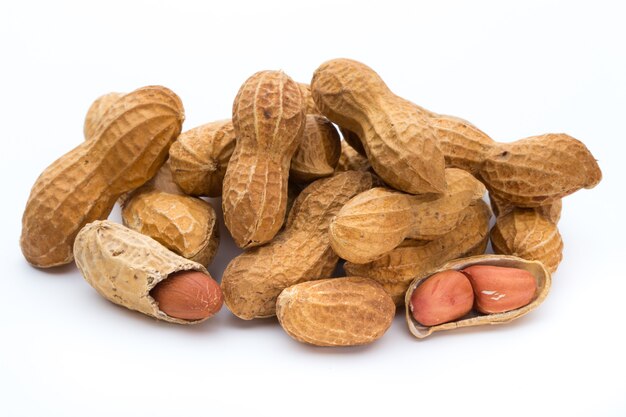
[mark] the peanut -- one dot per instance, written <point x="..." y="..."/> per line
<point x="377" y="221"/>
<point x="529" y="172"/>
<point x="307" y="99"/>
<point x="127" y="149"/>
<point x="498" y="289"/>
<point x="125" y="267"/>
<point x="396" y="269"/>
<point x="268" y="117"/>
<point x="318" y="153"/>
<point x="526" y="288"/>
<point x="346" y="311"/>
<point x="199" y="157"/>
<point x="443" y="297"/>
<point x="301" y="252"/>
<point x="397" y="138"/>
<point x="185" y="225"/>
<point x="188" y="295"/>
<point x="527" y="233"/>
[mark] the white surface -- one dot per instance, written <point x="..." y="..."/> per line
<point x="513" y="70"/>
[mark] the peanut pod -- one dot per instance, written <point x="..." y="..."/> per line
<point x="377" y="221"/>
<point x="539" y="271"/>
<point x="398" y="141"/>
<point x="529" y="234"/>
<point x="268" y="117"/>
<point x="347" y="311"/>
<point x="127" y="149"/>
<point x="185" y="225"/>
<point x="318" y="153"/>
<point x="125" y="266"/>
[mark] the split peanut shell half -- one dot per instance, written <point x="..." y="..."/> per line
<point x="474" y="318"/>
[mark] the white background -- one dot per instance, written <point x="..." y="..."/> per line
<point x="514" y="70"/>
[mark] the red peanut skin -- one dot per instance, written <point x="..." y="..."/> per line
<point x="498" y="289"/>
<point x="188" y="295"/>
<point x="443" y="297"/>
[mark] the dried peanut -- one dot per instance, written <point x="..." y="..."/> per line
<point x="185" y="225"/>
<point x="268" y="117"/>
<point x="396" y="269"/>
<point x="443" y="297"/>
<point x="301" y="252"/>
<point x="335" y="312"/>
<point x="529" y="172"/>
<point x="399" y="142"/>
<point x="351" y="160"/>
<point x="125" y="266"/>
<point x="498" y="289"/>
<point x="188" y="295"/>
<point x="199" y="157"/>
<point x="377" y="221"/>
<point x="538" y="271"/>
<point x="127" y="149"/>
<point x="530" y="235"/>
<point x="318" y="153"/>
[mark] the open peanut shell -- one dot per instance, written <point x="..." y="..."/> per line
<point x="474" y="318"/>
<point x="124" y="266"/>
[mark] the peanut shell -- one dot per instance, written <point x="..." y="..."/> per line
<point x="530" y="235"/>
<point x="377" y="221"/>
<point x="268" y="117"/>
<point x="346" y="311"/>
<point x="318" y="153"/>
<point x="124" y="266"/>
<point x="199" y="157"/>
<point x="542" y="275"/>
<point x="185" y="225"/>
<point x="398" y="141"/>
<point x="127" y="149"/>
<point x="301" y="252"/>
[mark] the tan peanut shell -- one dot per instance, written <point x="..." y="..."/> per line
<point x="268" y="116"/>
<point x="396" y="269"/>
<point x="96" y="111"/>
<point x="199" y="157"/>
<point x="377" y="221"/>
<point x="124" y="266"/>
<point x="530" y="235"/>
<point x="399" y="142"/>
<point x="318" y="153"/>
<point x="346" y="311"/>
<point x="129" y="146"/>
<point x="351" y="160"/>
<point x="183" y="224"/>
<point x="530" y="172"/>
<point x="301" y="252"/>
<point x="551" y="211"/>
<point x="541" y="274"/>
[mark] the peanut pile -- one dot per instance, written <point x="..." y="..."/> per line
<point x="400" y="199"/>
